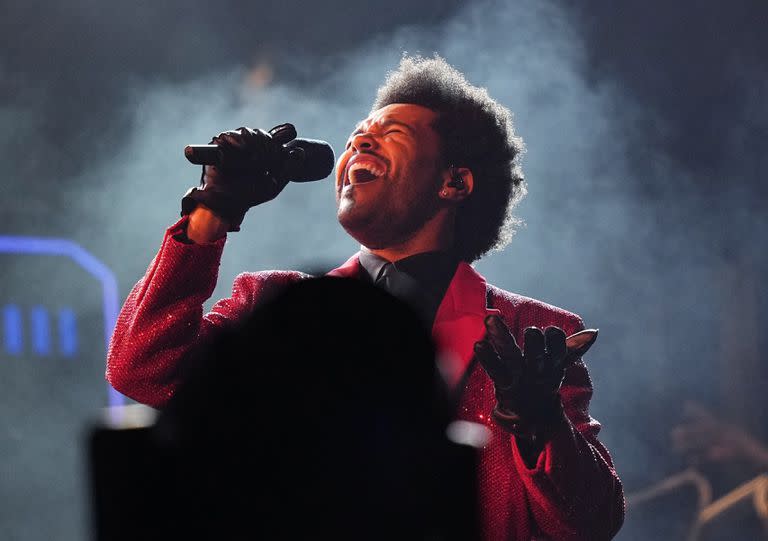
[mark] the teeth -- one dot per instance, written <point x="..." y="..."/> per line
<point x="372" y="169"/>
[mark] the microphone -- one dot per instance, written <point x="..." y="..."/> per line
<point x="305" y="160"/>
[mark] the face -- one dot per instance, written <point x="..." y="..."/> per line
<point x="389" y="177"/>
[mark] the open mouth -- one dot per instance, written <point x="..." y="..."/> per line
<point x="364" y="170"/>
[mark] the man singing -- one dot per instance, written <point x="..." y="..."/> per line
<point x="425" y="184"/>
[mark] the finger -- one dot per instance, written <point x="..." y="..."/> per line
<point x="234" y="133"/>
<point x="535" y="343"/>
<point x="283" y="133"/>
<point x="501" y="371"/>
<point x="229" y="138"/>
<point x="579" y="343"/>
<point x="215" y="139"/>
<point x="555" y="344"/>
<point x="488" y="357"/>
<point x="277" y="187"/>
<point x="534" y="352"/>
<point x="498" y="333"/>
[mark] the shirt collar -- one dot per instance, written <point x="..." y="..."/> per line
<point x="426" y="268"/>
<point x="371" y="264"/>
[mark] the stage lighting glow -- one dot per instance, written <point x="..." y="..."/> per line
<point x="39" y="318"/>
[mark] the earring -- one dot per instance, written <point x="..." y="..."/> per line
<point x="444" y="193"/>
<point x="457" y="181"/>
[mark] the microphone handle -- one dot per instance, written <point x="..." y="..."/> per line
<point x="203" y="154"/>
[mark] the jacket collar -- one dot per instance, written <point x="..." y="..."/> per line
<point x="466" y="294"/>
<point x="350" y="268"/>
<point x="459" y="323"/>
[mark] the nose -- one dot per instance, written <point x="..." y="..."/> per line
<point x="362" y="141"/>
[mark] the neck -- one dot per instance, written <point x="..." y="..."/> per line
<point x="435" y="235"/>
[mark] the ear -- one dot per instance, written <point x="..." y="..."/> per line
<point x="457" y="185"/>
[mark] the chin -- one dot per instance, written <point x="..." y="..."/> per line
<point x="379" y="226"/>
<point x="364" y="228"/>
<point x="353" y="223"/>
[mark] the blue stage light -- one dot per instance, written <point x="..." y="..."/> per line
<point x="40" y="330"/>
<point x="13" y="330"/>
<point x="67" y="332"/>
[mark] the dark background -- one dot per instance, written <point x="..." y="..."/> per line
<point x="645" y="124"/>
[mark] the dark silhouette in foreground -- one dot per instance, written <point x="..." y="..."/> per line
<point x="342" y="435"/>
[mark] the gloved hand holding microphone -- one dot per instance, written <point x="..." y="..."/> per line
<point x="245" y="167"/>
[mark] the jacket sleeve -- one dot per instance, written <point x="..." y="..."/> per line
<point x="573" y="489"/>
<point x="162" y="318"/>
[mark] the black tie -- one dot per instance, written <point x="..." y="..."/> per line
<point x="397" y="283"/>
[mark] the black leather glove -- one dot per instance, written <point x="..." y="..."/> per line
<point x="244" y="177"/>
<point x="527" y="382"/>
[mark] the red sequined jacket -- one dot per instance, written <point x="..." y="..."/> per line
<point x="572" y="492"/>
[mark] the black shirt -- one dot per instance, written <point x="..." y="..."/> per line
<point x="425" y="278"/>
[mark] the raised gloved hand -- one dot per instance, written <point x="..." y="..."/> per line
<point x="527" y="382"/>
<point x="243" y="179"/>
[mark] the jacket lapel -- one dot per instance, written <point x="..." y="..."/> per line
<point x="459" y="322"/>
<point x="350" y="268"/>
